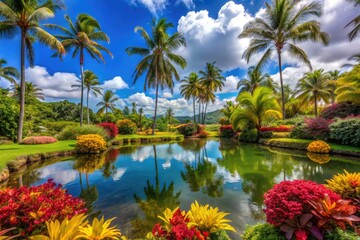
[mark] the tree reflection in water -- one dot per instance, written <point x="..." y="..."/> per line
<point x="157" y="200"/>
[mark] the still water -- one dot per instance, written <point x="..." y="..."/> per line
<point x="136" y="183"/>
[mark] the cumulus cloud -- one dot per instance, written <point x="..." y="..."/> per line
<point x="167" y="95"/>
<point x="230" y="84"/>
<point x="153" y="6"/>
<point x="116" y="83"/>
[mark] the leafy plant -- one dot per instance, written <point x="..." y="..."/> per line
<point x="301" y="227"/>
<point x="317" y="127"/>
<point x="263" y="231"/>
<point x="98" y="230"/>
<point x="126" y="126"/>
<point x="340" y="110"/>
<point x="72" y="132"/>
<point x="207" y="218"/>
<point x="110" y="128"/>
<point x="299" y="132"/>
<point x="318" y="147"/>
<point x="227" y="131"/>
<point x="347" y="185"/>
<point x="249" y="135"/>
<point x="188" y="129"/>
<point x="346" y="131"/>
<point x="5" y="231"/>
<point x="90" y="143"/>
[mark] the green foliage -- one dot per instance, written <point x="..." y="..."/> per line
<point x="348" y="89"/>
<point x="340" y="110"/>
<point x="299" y="132"/>
<point x="220" y="235"/>
<point x="188" y="129"/>
<point x="72" y="132"/>
<point x="249" y="135"/>
<point x="9" y="114"/>
<point x="59" y="126"/>
<point x="265" y="134"/>
<point x="211" y="117"/>
<point x="346" y="131"/>
<point x="126" y="126"/>
<point x="263" y="231"/>
<point x="339" y="234"/>
<point x="162" y="124"/>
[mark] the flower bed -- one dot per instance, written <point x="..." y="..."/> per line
<point x="38" y="140"/>
<point x="227" y="131"/>
<point x="281" y="128"/>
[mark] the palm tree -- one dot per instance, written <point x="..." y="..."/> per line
<point x="254" y="80"/>
<point x="356" y="22"/>
<point x="283" y="25"/>
<point x="314" y="87"/>
<point x="25" y="17"/>
<point x="348" y="89"/>
<point x="211" y="81"/>
<point x="354" y="58"/>
<point x="91" y="83"/>
<point x="158" y="58"/>
<point x="255" y="108"/>
<point x="191" y="88"/>
<point x="109" y="99"/>
<point x="8" y="73"/>
<point x="83" y="36"/>
<point x="133" y="110"/>
<point x="227" y="111"/>
<point x="169" y="114"/>
<point x="32" y="91"/>
<point x="333" y="76"/>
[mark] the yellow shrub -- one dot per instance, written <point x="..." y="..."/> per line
<point x="90" y="143"/>
<point x="318" y="146"/>
<point x="318" y="157"/>
<point x="346" y="184"/>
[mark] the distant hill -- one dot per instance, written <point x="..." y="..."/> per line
<point x="211" y="117"/>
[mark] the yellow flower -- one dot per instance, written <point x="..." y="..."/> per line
<point x="318" y="147"/>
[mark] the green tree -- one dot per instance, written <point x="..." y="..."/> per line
<point x="314" y="87"/>
<point x="9" y="114"/>
<point x="32" y="92"/>
<point x="91" y="83"/>
<point x="126" y="111"/>
<point x="158" y="58"/>
<point x="133" y="109"/>
<point x="108" y="102"/>
<point x="191" y="88"/>
<point x="284" y="24"/>
<point x="83" y="36"/>
<point x="254" y="80"/>
<point x="348" y="89"/>
<point x="25" y="17"/>
<point x="355" y="22"/>
<point x="169" y="115"/>
<point x="8" y="73"/>
<point x="255" y="108"/>
<point x="211" y="81"/>
<point x="141" y="114"/>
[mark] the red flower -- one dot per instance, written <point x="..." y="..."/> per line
<point x="301" y="235"/>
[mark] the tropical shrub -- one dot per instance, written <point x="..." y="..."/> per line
<point x="110" y="128"/>
<point x="346" y="131"/>
<point x="227" y="131"/>
<point x="59" y="126"/>
<point x="280" y="128"/>
<point x="38" y="140"/>
<point x="318" y="147"/>
<point x="72" y="132"/>
<point x="188" y="129"/>
<point x="347" y="185"/>
<point x="265" y="134"/>
<point x="9" y="114"/>
<point x="317" y="128"/>
<point x="289" y="199"/>
<point x="340" y="110"/>
<point x="338" y="234"/>
<point x="299" y="132"/>
<point x="263" y="231"/>
<point x="126" y="126"/>
<point x="249" y="135"/>
<point x="28" y="208"/>
<point x="90" y="143"/>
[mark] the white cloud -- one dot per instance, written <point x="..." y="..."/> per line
<point x="116" y="83"/>
<point x="167" y="95"/>
<point x="230" y="84"/>
<point x="154" y="6"/>
<point x="188" y="3"/>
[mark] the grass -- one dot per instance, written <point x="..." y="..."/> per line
<point x="143" y="135"/>
<point x="9" y="152"/>
<point x="212" y="127"/>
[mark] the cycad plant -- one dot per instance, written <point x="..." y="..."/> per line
<point x="24" y="17"/>
<point x="284" y="24"/>
<point x="158" y="58"/>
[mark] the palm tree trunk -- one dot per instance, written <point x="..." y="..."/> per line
<point x="82" y="85"/>
<point x="205" y="113"/>
<point x="87" y="105"/>
<point x="156" y="102"/>
<point x="194" y="109"/>
<point x="315" y="101"/>
<point x="22" y="87"/>
<point x="199" y="112"/>
<point x="106" y="114"/>
<point x="281" y="85"/>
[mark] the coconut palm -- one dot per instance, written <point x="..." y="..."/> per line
<point x="8" y="73"/>
<point x="158" y="58"/>
<point x="284" y="24"/>
<point x="25" y="17"/>
<point x="83" y="36"/>
<point x="348" y="89"/>
<point x="355" y="22"/>
<point x="314" y="87"/>
<point x="354" y="60"/>
<point x="191" y="88"/>
<point x="333" y="76"/>
<point x="133" y="110"/>
<point x="254" y="80"/>
<point x="32" y="91"/>
<point x="253" y="109"/>
<point x="227" y="111"/>
<point x="211" y="81"/>
<point x="91" y="83"/>
<point x="206" y="96"/>
<point x="108" y="102"/>
<point x="169" y="115"/>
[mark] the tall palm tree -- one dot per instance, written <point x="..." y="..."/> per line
<point x="284" y="24"/>
<point x="191" y="88"/>
<point x="253" y="109"/>
<point x="91" y="83"/>
<point x="354" y="60"/>
<point x="32" y="91"/>
<point x="314" y="87"/>
<point x="356" y="22"/>
<point x="83" y="36"/>
<point x="133" y="110"/>
<point x="25" y="17"/>
<point x="108" y="102"/>
<point x="8" y="73"/>
<point x="254" y="80"/>
<point x="158" y="58"/>
<point x="211" y="81"/>
<point x="169" y="114"/>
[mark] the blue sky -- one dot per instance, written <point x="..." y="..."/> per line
<point x="210" y="28"/>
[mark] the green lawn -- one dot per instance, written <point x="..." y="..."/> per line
<point x="9" y="152"/>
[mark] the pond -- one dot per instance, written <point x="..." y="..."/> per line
<point x="136" y="183"/>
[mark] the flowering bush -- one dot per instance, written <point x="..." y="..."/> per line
<point x="317" y="127"/>
<point x="227" y="131"/>
<point x="289" y="199"/>
<point x="38" y="140"/>
<point x="28" y="208"/>
<point x="340" y="110"/>
<point x="90" y="143"/>
<point x="281" y="128"/>
<point x="110" y="128"/>
<point x="345" y="184"/>
<point x="318" y="147"/>
<point x="188" y="129"/>
<point x="126" y="126"/>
